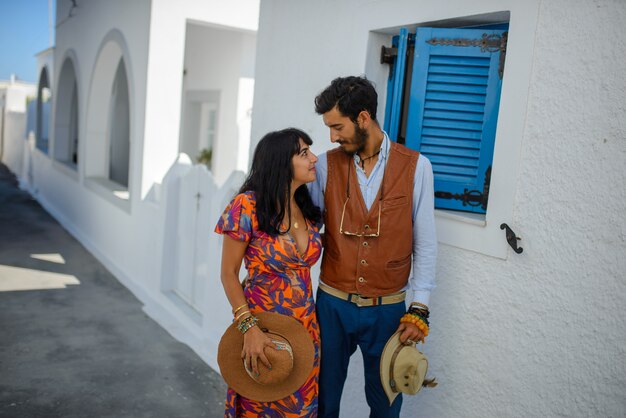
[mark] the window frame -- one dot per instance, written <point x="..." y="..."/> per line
<point x="408" y="121"/>
<point x="482" y="233"/>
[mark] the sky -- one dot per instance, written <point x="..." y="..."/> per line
<point x="24" y="32"/>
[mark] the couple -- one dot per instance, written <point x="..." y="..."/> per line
<point x="375" y="198"/>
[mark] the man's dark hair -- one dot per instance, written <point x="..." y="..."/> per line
<point x="351" y="95"/>
<point x="270" y="179"/>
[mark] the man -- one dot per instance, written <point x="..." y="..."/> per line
<point x="378" y="205"/>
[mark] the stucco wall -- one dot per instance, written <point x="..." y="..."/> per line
<point x="536" y="334"/>
<point x="165" y="72"/>
<point x="126" y="234"/>
<point x="13" y="108"/>
<point x="216" y="59"/>
<point x="104" y="228"/>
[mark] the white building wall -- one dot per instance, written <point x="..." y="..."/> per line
<point x="538" y="334"/>
<point x="90" y="213"/>
<point x="168" y="23"/>
<point x="535" y="334"/>
<point x="165" y="72"/>
<point x="125" y="229"/>
<point x="13" y="107"/>
<point x="216" y="60"/>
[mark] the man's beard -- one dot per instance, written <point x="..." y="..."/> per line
<point x="359" y="139"/>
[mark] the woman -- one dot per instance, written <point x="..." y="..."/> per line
<point x="273" y="226"/>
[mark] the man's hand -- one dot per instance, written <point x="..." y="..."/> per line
<point x="410" y="332"/>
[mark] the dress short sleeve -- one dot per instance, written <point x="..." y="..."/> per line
<point x="237" y="219"/>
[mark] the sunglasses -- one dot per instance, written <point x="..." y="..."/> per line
<point x="380" y="204"/>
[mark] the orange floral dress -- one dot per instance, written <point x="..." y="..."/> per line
<point x="279" y="281"/>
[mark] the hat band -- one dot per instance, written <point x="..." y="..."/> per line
<point x="392" y="381"/>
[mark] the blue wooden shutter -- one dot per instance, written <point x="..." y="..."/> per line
<point x="453" y="110"/>
<point x="395" y="84"/>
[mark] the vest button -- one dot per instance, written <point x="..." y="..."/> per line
<point x="363" y="262"/>
<point x="367" y="227"/>
<point x="365" y="244"/>
<point x="361" y="279"/>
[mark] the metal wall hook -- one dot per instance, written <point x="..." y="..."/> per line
<point x="512" y="239"/>
<point x="388" y="54"/>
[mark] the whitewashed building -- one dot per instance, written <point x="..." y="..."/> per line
<point x="129" y="99"/>
<point x="538" y="333"/>
<point x="140" y="89"/>
<point x="16" y="97"/>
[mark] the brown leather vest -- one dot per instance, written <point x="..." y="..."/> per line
<point x="369" y="266"/>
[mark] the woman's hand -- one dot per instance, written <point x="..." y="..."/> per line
<point x="254" y="343"/>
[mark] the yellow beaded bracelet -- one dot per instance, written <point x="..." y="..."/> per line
<point x="418" y="322"/>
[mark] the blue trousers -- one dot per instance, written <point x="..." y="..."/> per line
<point x="343" y="327"/>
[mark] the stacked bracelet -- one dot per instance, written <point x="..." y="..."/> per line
<point x="417" y="315"/>
<point x="418" y="306"/>
<point x="241" y="314"/>
<point x="420" y="311"/>
<point x="247" y="323"/>
<point x="238" y="308"/>
<point x="417" y="321"/>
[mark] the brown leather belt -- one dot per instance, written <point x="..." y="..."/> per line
<point x="362" y="301"/>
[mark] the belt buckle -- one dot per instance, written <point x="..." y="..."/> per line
<point x="360" y="301"/>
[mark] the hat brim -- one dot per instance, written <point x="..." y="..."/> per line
<point x="234" y="373"/>
<point x="385" y="362"/>
<point x="386" y="358"/>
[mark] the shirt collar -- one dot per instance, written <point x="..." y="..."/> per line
<point x="384" y="147"/>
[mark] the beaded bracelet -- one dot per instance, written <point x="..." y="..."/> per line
<point x="419" y="311"/>
<point x="417" y="321"/>
<point x="420" y="315"/>
<point x="419" y="305"/>
<point x="246" y="319"/>
<point x="247" y="323"/>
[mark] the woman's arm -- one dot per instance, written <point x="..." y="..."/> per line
<point x="254" y="340"/>
<point x="232" y="256"/>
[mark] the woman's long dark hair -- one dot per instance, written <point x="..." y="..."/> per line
<point x="270" y="179"/>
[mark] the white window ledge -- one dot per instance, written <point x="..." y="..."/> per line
<point x="472" y="218"/>
<point x="471" y="232"/>
<point x="109" y="190"/>
<point x="66" y="168"/>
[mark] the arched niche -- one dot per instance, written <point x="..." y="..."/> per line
<point x="44" y="100"/>
<point x="66" y="117"/>
<point x="110" y="116"/>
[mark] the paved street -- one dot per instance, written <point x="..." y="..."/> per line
<point x="74" y="342"/>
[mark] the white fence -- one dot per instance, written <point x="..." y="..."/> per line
<point x="190" y="206"/>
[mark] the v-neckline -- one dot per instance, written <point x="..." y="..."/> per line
<point x="294" y="242"/>
<point x="360" y="196"/>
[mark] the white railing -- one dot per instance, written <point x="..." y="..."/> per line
<point x="191" y="253"/>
